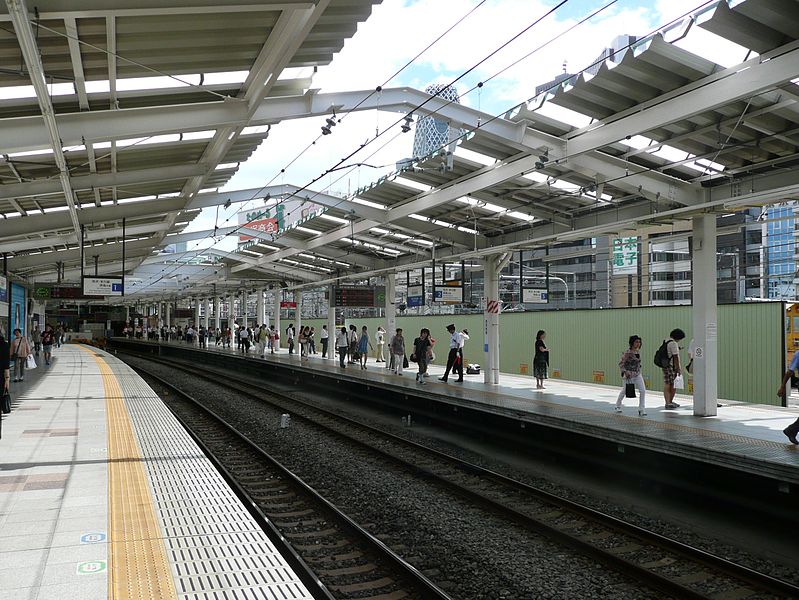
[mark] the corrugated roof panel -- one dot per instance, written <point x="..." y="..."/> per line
<point x="760" y="25"/>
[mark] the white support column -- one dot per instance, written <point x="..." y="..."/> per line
<point x="705" y="367"/>
<point x="207" y="318"/>
<point x="245" y="300"/>
<point x="276" y="317"/>
<point x="168" y="314"/>
<point x="259" y="308"/>
<point x="217" y="319"/>
<point x="196" y="314"/>
<point x="331" y="324"/>
<point x="391" y="307"/>
<point x="491" y="318"/>
<point x="231" y="311"/>
<point x="298" y="311"/>
<point x="127" y="313"/>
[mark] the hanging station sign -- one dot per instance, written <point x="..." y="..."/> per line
<point x="415" y="295"/>
<point x="625" y="256"/>
<point x="277" y="218"/>
<point x="102" y="286"/>
<point x="448" y="293"/>
<point x="535" y="296"/>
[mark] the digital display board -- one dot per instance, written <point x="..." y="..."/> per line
<point x="354" y="296"/>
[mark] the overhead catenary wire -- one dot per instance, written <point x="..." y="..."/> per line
<point x="633" y="173"/>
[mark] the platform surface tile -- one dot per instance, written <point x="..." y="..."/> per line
<point x="746" y="435"/>
<point x="103" y="494"/>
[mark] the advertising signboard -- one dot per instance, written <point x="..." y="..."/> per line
<point x="625" y="256"/>
<point x="102" y="286"/>
<point x="415" y="295"/>
<point x="535" y="296"/>
<point x="448" y="294"/>
<point x="279" y="217"/>
<point x="3" y="289"/>
<point x="18" y="308"/>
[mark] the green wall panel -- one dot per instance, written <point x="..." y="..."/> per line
<point x="587" y="341"/>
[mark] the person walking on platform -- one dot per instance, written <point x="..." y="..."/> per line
<point x="464" y="338"/>
<point x="36" y="336"/>
<point x="244" y="339"/>
<point x="793" y="369"/>
<point x="59" y="335"/>
<point x="201" y="335"/>
<point x="380" y="338"/>
<point x="540" y="360"/>
<point x="290" y="337"/>
<point x="312" y="340"/>
<point x="343" y="344"/>
<point x="630" y="365"/>
<point x="47" y="343"/>
<point x="263" y="339"/>
<point x="454" y="363"/>
<point x="303" y="340"/>
<point x="397" y="348"/>
<point x="353" y="343"/>
<point x="324" y="335"/>
<point x="19" y="351"/>
<point x="422" y="347"/>
<point x="5" y="367"/>
<point x="672" y="369"/>
<point x="364" y="345"/>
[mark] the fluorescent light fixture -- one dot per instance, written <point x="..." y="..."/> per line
<point x="473" y="156"/>
<point x="369" y="203"/>
<point x="328" y="217"/>
<point x="379" y="231"/>
<point x="418" y="217"/>
<point x="521" y="216"/>
<point x="307" y="230"/>
<point x="224" y="166"/>
<point x="413" y="184"/>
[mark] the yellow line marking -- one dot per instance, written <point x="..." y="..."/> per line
<point x="139" y="568"/>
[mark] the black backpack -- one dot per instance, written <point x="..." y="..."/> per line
<point x="662" y="359"/>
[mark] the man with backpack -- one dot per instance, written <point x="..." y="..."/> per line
<point x="793" y="369"/>
<point x="667" y="358"/>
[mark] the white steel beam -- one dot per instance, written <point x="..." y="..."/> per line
<point x="44" y="187"/>
<point x="57" y="9"/>
<point x="27" y="42"/>
<point x="91" y="235"/>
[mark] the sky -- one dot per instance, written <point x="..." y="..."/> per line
<point x="400" y="29"/>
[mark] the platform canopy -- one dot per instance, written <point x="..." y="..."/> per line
<point x="654" y="136"/>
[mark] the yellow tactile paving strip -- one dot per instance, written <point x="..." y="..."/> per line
<point x="138" y="565"/>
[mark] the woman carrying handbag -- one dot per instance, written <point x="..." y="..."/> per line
<point x="630" y="365"/>
<point x="20" y="349"/>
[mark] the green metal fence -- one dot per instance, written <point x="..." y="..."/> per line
<point x="585" y="345"/>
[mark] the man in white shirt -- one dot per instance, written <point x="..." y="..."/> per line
<point x="290" y="337"/>
<point x="454" y="360"/>
<point x="380" y="338"/>
<point x="324" y="335"/>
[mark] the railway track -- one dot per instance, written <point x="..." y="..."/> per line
<point x="334" y="556"/>
<point x="656" y="561"/>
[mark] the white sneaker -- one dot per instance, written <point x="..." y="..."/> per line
<point x="618" y="409"/>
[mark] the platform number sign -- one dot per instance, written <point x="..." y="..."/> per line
<point x="91" y="567"/>
<point x="625" y="256"/>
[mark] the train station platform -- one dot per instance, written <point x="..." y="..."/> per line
<point x="743" y="437"/>
<point x="104" y="494"/>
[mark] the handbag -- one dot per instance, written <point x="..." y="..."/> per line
<point x="413" y="357"/>
<point x="30" y="362"/>
<point x="629" y="390"/>
<point x="405" y="361"/>
<point x="5" y="403"/>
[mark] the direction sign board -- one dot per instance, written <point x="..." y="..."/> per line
<point x="448" y="294"/>
<point x="535" y="296"/>
<point x="102" y="286"/>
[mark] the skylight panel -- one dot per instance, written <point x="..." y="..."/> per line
<point x="473" y="156"/>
